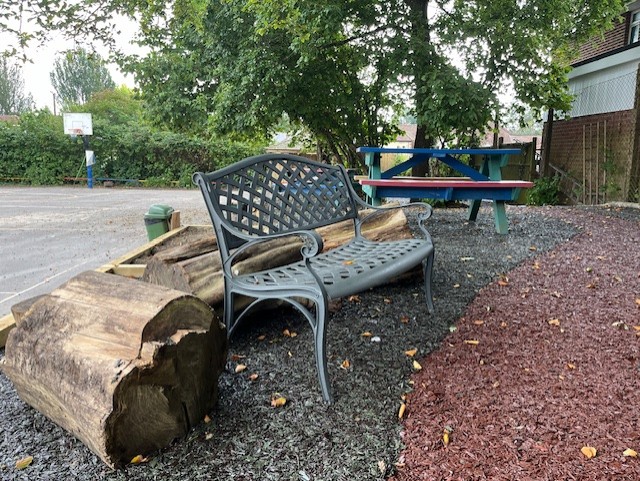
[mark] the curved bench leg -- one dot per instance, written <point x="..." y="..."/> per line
<point x="320" y="349"/>
<point x="427" y="265"/>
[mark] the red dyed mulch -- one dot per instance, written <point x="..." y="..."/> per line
<point x="556" y="367"/>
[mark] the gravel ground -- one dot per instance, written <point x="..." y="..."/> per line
<point x="355" y="438"/>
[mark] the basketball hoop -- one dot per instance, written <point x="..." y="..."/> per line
<point x="77" y="132"/>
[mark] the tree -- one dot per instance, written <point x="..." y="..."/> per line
<point x="13" y="100"/>
<point x="77" y="75"/>
<point x="116" y="106"/>
<point x="345" y="69"/>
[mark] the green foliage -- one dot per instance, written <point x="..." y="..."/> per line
<point x="545" y="191"/>
<point x="117" y="106"/>
<point x="342" y="70"/>
<point x="77" y="75"/>
<point x="13" y="100"/>
<point x="37" y="150"/>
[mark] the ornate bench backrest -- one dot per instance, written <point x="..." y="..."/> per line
<point x="274" y="193"/>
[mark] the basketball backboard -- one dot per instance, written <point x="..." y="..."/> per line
<point x="77" y="124"/>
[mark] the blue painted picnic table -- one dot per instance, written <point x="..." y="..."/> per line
<point x="475" y="185"/>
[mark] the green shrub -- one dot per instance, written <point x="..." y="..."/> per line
<point x="37" y="150"/>
<point x="545" y="191"/>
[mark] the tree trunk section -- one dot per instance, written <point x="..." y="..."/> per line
<point x="124" y="366"/>
<point x="202" y="275"/>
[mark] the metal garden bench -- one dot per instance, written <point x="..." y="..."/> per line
<point x="275" y="195"/>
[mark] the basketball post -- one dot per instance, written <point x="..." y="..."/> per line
<point x="88" y="155"/>
<point x="80" y="124"/>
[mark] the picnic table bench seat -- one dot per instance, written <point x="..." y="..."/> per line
<point x="275" y="195"/>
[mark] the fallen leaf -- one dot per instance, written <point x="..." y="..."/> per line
<point x="503" y="281"/>
<point x="262" y="337"/>
<point x="387" y="300"/>
<point x="354" y="298"/>
<point x="345" y="364"/>
<point x="588" y="451"/>
<point x="591" y="286"/>
<point x="278" y="401"/>
<point x="536" y="265"/>
<point x="138" y="459"/>
<point x="366" y="334"/>
<point x="382" y="466"/>
<point x="24" y="462"/>
<point x="206" y="419"/>
<point x="638" y="302"/>
<point x="503" y="324"/>
<point x="478" y="322"/>
<point x="533" y="248"/>
<point x="240" y="368"/>
<point x="289" y="333"/>
<point x="554" y="322"/>
<point x="471" y="342"/>
<point x="455" y="286"/>
<point x="411" y="352"/>
<point x="253" y="377"/>
<point x="348" y="263"/>
<point x="416" y="365"/>
<point x="571" y="366"/>
<point x="237" y="357"/>
<point x="630" y="453"/>
<point x="496" y="384"/>
<point x="376" y="339"/>
<point x="401" y="411"/>
<point x="453" y="328"/>
<point x="404" y="319"/>
<point x="208" y="436"/>
<point x="446" y="433"/>
<point x="589" y="269"/>
<point x="600" y="258"/>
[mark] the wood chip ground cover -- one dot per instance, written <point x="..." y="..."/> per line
<point x="360" y="436"/>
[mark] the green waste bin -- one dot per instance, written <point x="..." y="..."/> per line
<point x="157" y="220"/>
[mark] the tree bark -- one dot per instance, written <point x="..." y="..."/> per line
<point x="202" y="275"/>
<point x="124" y="366"/>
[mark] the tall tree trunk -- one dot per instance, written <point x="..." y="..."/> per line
<point x="422" y="59"/>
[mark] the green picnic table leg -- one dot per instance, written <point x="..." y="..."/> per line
<point x="372" y="160"/>
<point x="472" y="213"/>
<point x="500" y="215"/>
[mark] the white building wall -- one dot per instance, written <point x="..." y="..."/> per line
<point x="606" y="85"/>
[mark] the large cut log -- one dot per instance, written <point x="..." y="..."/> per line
<point x="124" y="366"/>
<point x="201" y="275"/>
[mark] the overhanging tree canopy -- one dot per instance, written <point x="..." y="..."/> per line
<point x="344" y="69"/>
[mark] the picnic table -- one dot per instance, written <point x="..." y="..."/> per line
<point x="474" y="184"/>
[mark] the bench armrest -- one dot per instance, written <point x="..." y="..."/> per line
<point x="427" y="210"/>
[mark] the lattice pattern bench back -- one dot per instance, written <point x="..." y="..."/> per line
<point x="276" y="193"/>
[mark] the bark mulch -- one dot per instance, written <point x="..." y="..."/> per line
<point x="543" y="362"/>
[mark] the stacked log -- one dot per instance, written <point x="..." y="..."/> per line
<point x="125" y="366"/>
<point x="198" y="271"/>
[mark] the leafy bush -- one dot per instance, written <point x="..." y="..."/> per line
<point x="545" y="191"/>
<point x="37" y="150"/>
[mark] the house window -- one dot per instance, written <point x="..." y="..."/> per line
<point x="634" y="27"/>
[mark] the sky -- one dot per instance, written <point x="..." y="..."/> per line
<point x="36" y="74"/>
